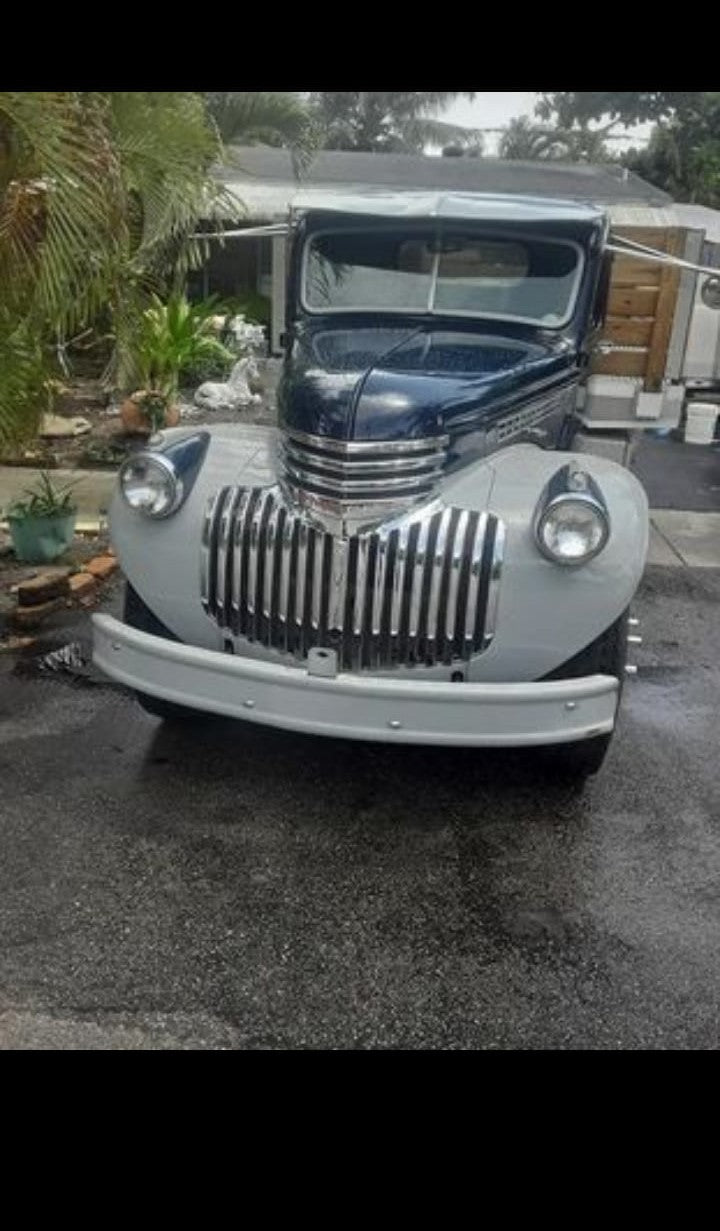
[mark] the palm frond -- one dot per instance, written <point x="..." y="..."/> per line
<point x="99" y="195"/>
<point x="424" y="131"/>
<point x="272" y="118"/>
<point x="58" y="215"/>
<point x="23" y="380"/>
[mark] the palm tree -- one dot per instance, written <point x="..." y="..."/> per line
<point x="388" y="122"/>
<point x="525" y="140"/>
<point x="270" y="118"/>
<point x="99" y="195"/>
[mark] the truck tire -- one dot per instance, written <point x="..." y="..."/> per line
<point x="604" y="656"/>
<point x="138" y="615"/>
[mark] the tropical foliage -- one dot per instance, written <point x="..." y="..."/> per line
<point x="269" y="118"/>
<point x="43" y="500"/>
<point x="526" y="139"/>
<point x="99" y="196"/>
<point x="683" y="153"/>
<point x="381" y="122"/>
<point x="368" y="120"/>
<point x="174" y="338"/>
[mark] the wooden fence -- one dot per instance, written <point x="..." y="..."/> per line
<point x="641" y="308"/>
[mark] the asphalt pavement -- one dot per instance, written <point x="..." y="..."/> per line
<point x="222" y="886"/>
<point x="676" y="475"/>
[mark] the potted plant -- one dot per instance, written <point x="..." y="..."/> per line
<point x="42" y="523"/>
<point x="147" y="410"/>
<point x="173" y="337"/>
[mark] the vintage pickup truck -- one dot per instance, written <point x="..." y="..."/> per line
<point x="419" y="553"/>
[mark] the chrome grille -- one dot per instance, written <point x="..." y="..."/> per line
<point x="362" y="470"/>
<point x="421" y="589"/>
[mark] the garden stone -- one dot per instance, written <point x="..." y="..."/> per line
<point x="101" y="567"/>
<point x="82" y="584"/>
<point x="32" y="617"/>
<point x="56" y="426"/>
<point x="50" y="583"/>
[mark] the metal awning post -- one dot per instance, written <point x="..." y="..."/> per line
<point x="277" y="309"/>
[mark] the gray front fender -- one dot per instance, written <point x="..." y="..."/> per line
<point x="546" y="613"/>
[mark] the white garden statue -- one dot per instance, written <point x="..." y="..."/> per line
<point x="235" y="393"/>
<point x="247" y="338"/>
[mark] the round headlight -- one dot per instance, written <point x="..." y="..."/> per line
<point x="150" y="484"/>
<point x="572" y="530"/>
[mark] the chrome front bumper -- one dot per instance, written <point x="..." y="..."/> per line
<point x="356" y="706"/>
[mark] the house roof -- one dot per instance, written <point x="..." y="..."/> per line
<point x="700" y="218"/>
<point x="262" y="178"/>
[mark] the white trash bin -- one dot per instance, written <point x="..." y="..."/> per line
<point x="700" y="426"/>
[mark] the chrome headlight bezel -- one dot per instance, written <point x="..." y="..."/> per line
<point x="571" y="487"/>
<point x="159" y="462"/>
<point x="179" y="455"/>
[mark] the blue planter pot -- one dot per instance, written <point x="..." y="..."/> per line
<point x="37" y="540"/>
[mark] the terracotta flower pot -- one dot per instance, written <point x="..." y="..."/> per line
<point x="136" y="420"/>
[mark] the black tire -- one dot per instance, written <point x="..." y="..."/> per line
<point x="604" y="656"/>
<point x="137" y="614"/>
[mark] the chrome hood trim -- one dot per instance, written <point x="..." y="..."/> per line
<point x="346" y="487"/>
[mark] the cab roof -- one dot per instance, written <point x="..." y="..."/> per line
<point x="455" y="206"/>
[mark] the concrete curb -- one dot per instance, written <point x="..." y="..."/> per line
<point x="678" y="538"/>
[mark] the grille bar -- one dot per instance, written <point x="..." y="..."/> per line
<point x="364" y="469"/>
<point x="422" y="589"/>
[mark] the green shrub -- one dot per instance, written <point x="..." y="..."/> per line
<point x="208" y="367"/>
<point x="173" y="337"/>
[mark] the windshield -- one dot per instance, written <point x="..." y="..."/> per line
<point x="523" y="279"/>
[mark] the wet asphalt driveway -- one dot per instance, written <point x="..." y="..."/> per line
<point x="222" y="886"/>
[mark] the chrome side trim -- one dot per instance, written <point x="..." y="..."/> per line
<point x="557" y="402"/>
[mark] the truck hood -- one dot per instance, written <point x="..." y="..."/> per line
<point x="382" y="383"/>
